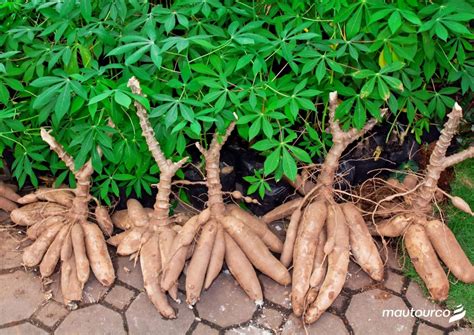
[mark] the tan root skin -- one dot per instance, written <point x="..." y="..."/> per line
<point x="427" y="239"/>
<point x="8" y="197"/>
<point x="57" y="221"/>
<point x="317" y="240"/>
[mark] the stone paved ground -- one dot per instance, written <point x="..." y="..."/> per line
<point x="27" y="306"/>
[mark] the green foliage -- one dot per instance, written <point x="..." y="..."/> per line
<point x="204" y="63"/>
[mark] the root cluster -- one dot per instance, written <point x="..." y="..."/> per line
<point x="322" y="233"/>
<point x="149" y="233"/>
<point x="223" y="233"/>
<point x="407" y="209"/>
<point x="58" y="222"/>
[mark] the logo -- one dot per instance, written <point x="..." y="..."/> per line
<point x="458" y="314"/>
<point x="454" y="316"/>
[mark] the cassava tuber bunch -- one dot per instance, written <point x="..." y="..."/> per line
<point x="149" y="233"/>
<point x="322" y="233"/>
<point x="409" y="212"/>
<point x="223" y="233"/>
<point x="58" y="222"/>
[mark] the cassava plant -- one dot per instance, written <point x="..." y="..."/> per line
<point x="58" y="222"/>
<point x="321" y="233"/>
<point x="409" y="211"/>
<point x="223" y="233"/>
<point x="149" y="233"/>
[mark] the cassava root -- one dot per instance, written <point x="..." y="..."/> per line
<point x="57" y="221"/>
<point x="427" y="239"/>
<point x="149" y="233"/>
<point x="224" y="233"/>
<point x="321" y="233"/>
<point x="8" y="197"/>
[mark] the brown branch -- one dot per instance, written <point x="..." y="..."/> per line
<point x="458" y="157"/>
<point x="165" y="165"/>
<point x="438" y="158"/>
<point x="83" y="177"/>
<point x="58" y="149"/>
<point x="301" y="185"/>
<point x="212" y="157"/>
<point x="219" y="140"/>
<point x="353" y="134"/>
<point x="447" y="133"/>
<point x="341" y="140"/>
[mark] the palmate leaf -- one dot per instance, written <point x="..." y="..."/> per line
<point x="201" y="64"/>
<point x="63" y="102"/>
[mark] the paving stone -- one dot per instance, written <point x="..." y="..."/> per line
<point x="365" y="314"/>
<point x="420" y="302"/>
<point x="225" y="303"/>
<point x="424" y="329"/>
<point x="248" y="330"/>
<point x="462" y="331"/>
<point x="94" y="319"/>
<point x="143" y="318"/>
<point x="93" y="290"/>
<point x="203" y="329"/>
<point x="119" y="296"/>
<point x="394" y="281"/>
<point x="270" y="318"/>
<point x="129" y="273"/>
<point x="20" y="296"/>
<point x="24" y="328"/>
<point x="275" y="292"/>
<point x="327" y="324"/>
<point x="51" y="313"/>
<point x="10" y="249"/>
<point x="356" y="278"/>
